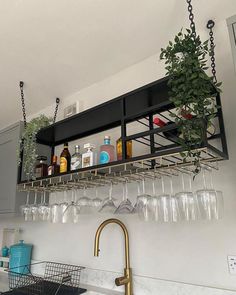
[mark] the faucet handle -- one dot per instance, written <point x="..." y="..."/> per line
<point x="122" y="281"/>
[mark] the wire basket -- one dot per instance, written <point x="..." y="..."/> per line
<point x="58" y="279"/>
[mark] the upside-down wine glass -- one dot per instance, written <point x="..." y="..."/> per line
<point x="174" y="208"/>
<point x="96" y="202"/>
<point x="164" y="203"/>
<point x="85" y="203"/>
<point x="125" y="206"/>
<point x="186" y="201"/>
<point x="143" y="204"/>
<point x="26" y="209"/>
<point x="44" y="209"/>
<point x="34" y="208"/>
<point x="71" y="214"/>
<point x="108" y="206"/>
<point x="55" y="209"/>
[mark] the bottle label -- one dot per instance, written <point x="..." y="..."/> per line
<point x="87" y="160"/>
<point x="63" y="165"/>
<point x="75" y="164"/>
<point x="50" y="170"/>
<point x="104" y="157"/>
<point x="38" y="172"/>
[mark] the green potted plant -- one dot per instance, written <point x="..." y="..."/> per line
<point x="28" y="146"/>
<point x="191" y="90"/>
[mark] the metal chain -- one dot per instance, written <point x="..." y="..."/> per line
<point x="210" y="26"/>
<point x="23" y="102"/>
<point x="191" y="18"/>
<point x="56" y="109"/>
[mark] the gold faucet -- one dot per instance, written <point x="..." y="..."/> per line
<point x="127" y="278"/>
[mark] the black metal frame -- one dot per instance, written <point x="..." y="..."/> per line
<point x="138" y="106"/>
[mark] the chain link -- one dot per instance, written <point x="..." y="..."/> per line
<point x="191" y="18"/>
<point x="23" y="102"/>
<point x="210" y="26"/>
<point x="56" y="109"/>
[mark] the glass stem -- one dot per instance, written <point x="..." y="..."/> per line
<point x="138" y="188"/>
<point x="123" y="191"/>
<point x="44" y="197"/>
<point x="27" y="197"/>
<point x="110" y="192"/>
<point x="204" y="178"/>
<point x="190" y="182"/>
<point x="126" y="190"/>
<point x="211" y="180"/>
<point x="143" y="182"/>
<point x="183" y="186"/>
<point x="153" y="187"/>
<point x="171" y="186"/>
<point x="35" y="198"/>
<point x="162" y="184"/>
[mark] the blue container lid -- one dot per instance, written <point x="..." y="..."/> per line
<point x="21" y="245"/>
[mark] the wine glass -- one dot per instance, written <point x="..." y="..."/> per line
<point x="186" y="201"/>
<point x="174" y="208"/>
<point x="155" y="201"/>
<point x="44" y="209"/>
<point x="34" y="208"/>
<point x="210" y="201"/>
<point x="55" y="209"/>
<point x="26" y="209"/>
<point x="164" y="203"/>
<point x="217" y="200"/>
<point x="71" y="214"/>
<point x="96" y="202"/>
<point x="85" y="203"/>
<point x="143" y="207"/>
<point x="63" y="207"/>
<point x="125" y="206"/>
<point x="108" y="205"/>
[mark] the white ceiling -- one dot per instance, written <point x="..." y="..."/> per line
<point x="60" y="46"/>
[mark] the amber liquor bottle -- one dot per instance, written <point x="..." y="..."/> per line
<point x="65" y="159"/>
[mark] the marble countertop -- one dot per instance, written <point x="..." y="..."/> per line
<point x="91" y="289"/>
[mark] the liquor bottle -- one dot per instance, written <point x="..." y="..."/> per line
<point x="170" y="134"/>
<point x="65" y="159"/>
<point x="76" y="159"/>
<point x="129" y="151"/>
<point x="89" y="158"/>
<point x="54" y="168"/>
<point x="107" y="151"/>
<point x="41" y="168"/>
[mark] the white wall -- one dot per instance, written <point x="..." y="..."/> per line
<point x="194" y="253"/>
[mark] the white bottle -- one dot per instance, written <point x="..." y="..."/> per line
<point x="89" y="157"/>
<point x="76" y="159"/>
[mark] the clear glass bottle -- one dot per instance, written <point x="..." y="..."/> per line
<point x="76" y="159"/>
<point x="107" y="151"/>
<point x="89" y="157"/>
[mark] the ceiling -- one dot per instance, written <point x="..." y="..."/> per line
<point x="58" y="47"/>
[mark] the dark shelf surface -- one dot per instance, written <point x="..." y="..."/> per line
<point x="130" y="106"/>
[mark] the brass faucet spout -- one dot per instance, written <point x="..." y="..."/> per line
<point x="127" y="279"/>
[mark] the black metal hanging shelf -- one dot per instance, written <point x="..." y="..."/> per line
<point x="129" y="107"/>
<point x="137" y="106"/>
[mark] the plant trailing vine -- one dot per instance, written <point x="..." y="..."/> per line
<point x="28" y="146"/>
<point x="191" y="90"/>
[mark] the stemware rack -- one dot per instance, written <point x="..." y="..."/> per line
<point x="137" y="107"/>
<point x="133" y="170"/>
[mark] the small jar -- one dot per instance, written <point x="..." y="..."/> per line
<point x="41" y="168"/>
